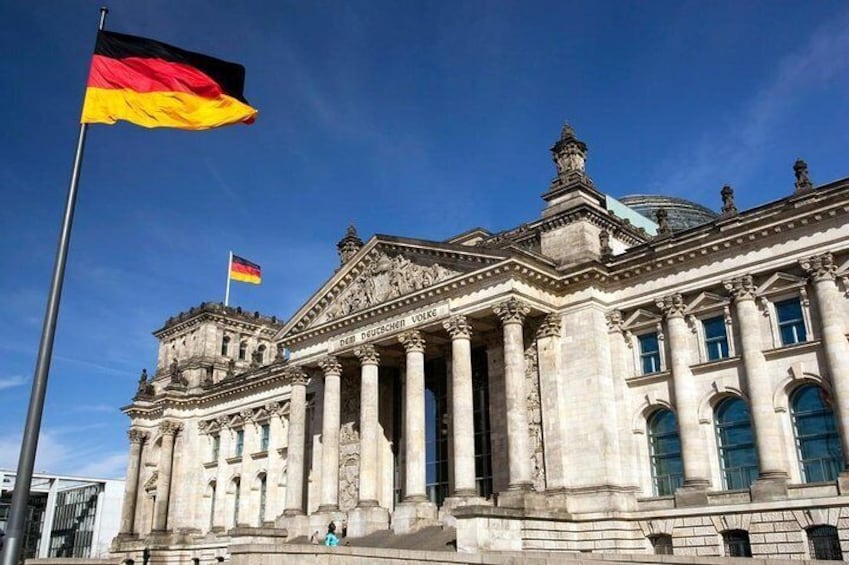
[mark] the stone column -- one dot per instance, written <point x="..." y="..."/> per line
<point x="329" y="501"/>
<point x="168" y="430"/>
<point x="414" y="418"/>
<point x="368" y="516"/>
<point x="822" y="272"/>
<point x="297" y="432"/>
<point x="554" y="401"/>
<point x="462" y="404"/>
<point x="772" y="480"/>
<point x="696" y="465"/>
<point x="369" y="360"/>
<point x="512" y="313"/>
<point x="131" y="488"/>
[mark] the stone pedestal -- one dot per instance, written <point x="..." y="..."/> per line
<point x="691" y="496"/>
<point x="366" y="520"/>
<point x="320" y="520"/>
<point x="766" y="489"/>
<point x="409" y="517"/>
<point x="296" y="526"/>
<point x="450" y="504"/>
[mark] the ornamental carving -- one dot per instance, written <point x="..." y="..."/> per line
<point x="458" y="327"/>
<point x="297" y="376"/>
<point x="820" y="267"/>
<point x="534" y="407"/>
<point x="741" y="288"/>
<point x="330" y="365"/>
<point x="170" y="428"/>
<point x="367" y="354"/>
<point x="412" y="341"/>
<point x="550" y="327"/>
<point x="671" y="306"/>
<point x="511" y="311"/>
<point x="349" y="445"/>
<point x="137" y="436"/>
<point x="383" y="279"/>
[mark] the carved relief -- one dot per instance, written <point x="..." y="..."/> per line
<point x="671" y="306"/>
<point x="511" y="311"/>
<point x="458" y="327"/>
<point x="384" y="279"/>
<point x="741" y="288"/>
<point x="820" y="267"/>
<point x="534" y="418"/>
<point x="349" y="445"/>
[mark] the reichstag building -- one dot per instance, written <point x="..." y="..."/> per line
<point x="643" y="375"/>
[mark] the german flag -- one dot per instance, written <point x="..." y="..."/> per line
<point x="245" y="271"/>
<point x="153" y="84"/>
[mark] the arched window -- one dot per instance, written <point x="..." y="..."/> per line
<point x="823" y="543"/>
<point x="237" y="495"/>
<point x="263" y="490"/>
<point x="261" y="351"/>
<point x="817" y="442"/>
<point x="243" y="350"/>
<point x="662" y="544"/>
<point x="667" y="467"/>
<point x="736" y="543"/>
<point x="736" y="444"/>
<point x="211" y="505"/>
<point x="225" y="345"/>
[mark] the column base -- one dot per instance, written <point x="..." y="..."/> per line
<point x="289" y="512"/>
<point x="692" y="494"/>
<point x="412" y="516"/>
<point x="768" y="488"/>
<point x="450" y="504"/>
<point x="296" y="525"/>
<point x="525" y="499"/>
<point x="363" y="521"/>
<point x="843" y="482"/>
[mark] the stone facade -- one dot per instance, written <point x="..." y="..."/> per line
<point x="572" y="384"/>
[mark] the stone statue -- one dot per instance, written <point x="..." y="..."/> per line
<point x="803" y="182"/>
<point x="662" y="223"/>
<point x="231" y="367"/>
<point x="604" y="243"/>
<point x="145" y="388"/>
<point x="728" y="207"/>
<point x="177" y="378"/>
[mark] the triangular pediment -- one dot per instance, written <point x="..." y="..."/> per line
<point x="641" y="317"/>
<point x="384" y="270"/>
<point x="707" y="301"/>
<point x="779" y="282"/>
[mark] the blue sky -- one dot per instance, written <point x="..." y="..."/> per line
<point x="420" y="119"/>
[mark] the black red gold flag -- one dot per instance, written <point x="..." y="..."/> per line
<point x="153" y="84"/>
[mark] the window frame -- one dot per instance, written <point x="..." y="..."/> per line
<point x="660" y="543"/>
<point x="723" y="449"/>
<point x="654" y="457"/>
<point x="736" y="539"/>
<point x="832" y="553"/>
<point x="705" y="342"/>
<point x="238" y="442"/>
<point x="832" y="435"/>
<point x="642" y="355"/>
<point x="793" y="323"/>
<point x="264" y="436"/>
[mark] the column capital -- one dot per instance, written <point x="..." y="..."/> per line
<point x="820" y="267"/>
<point x="296" y="376"/>
<point x="170" y="428"/>
<point x="550" y="327"/>
<point x="330" y="365"/>
<point x="137" y="436"/>
<point x="741" y="288"/>
<point x="412" y="341"/>
<point x="671" y="306"/>
<point x="458" y="327"/>
<point x="367" y="354"/>
<point x="511" y="311"/>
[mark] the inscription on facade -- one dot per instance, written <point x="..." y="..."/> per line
<point x="391" y="326"/>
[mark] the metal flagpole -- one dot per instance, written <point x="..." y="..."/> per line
<point x="23" y="479"/>
<point x="229" y="270"/>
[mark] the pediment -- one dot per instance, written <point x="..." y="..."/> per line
<point x="641" y="317"/>
<point x="386" y="270"/>
<point x="779" y="282"/>
<point x="707" y="301"/>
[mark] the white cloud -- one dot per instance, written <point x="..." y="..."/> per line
<point x="109" y="466"/>
<point x="64" y="451"/>
<point x="13" y="381"/>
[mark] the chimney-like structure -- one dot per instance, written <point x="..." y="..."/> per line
<point x="349" y="245"/>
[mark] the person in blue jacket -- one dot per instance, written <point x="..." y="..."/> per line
<point x="330" y="539"/>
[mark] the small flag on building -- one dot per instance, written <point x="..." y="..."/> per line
<point x="243" y="270"/>
<point x="153" y="84"/>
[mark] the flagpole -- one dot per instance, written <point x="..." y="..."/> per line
<point x="229" y="270"/>
<point x="23" y="478"/>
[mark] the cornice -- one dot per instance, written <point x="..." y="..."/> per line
<point x="728" y="234"/>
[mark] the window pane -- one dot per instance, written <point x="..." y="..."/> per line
<point x="817" y="441"/>
<point x="823" y="543"/>
<point x="665" y="451"/>
<point x="791" y="324"/>
<point x="736" y="444"/>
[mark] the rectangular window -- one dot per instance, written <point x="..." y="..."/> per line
<point x="791" y="324"/>
<point x="216" y="446"/>
<point x="649" y="353"/>
<point x="240" y="442"/>
<point x="716" y="339"/>
<point x="266" y="434"/>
